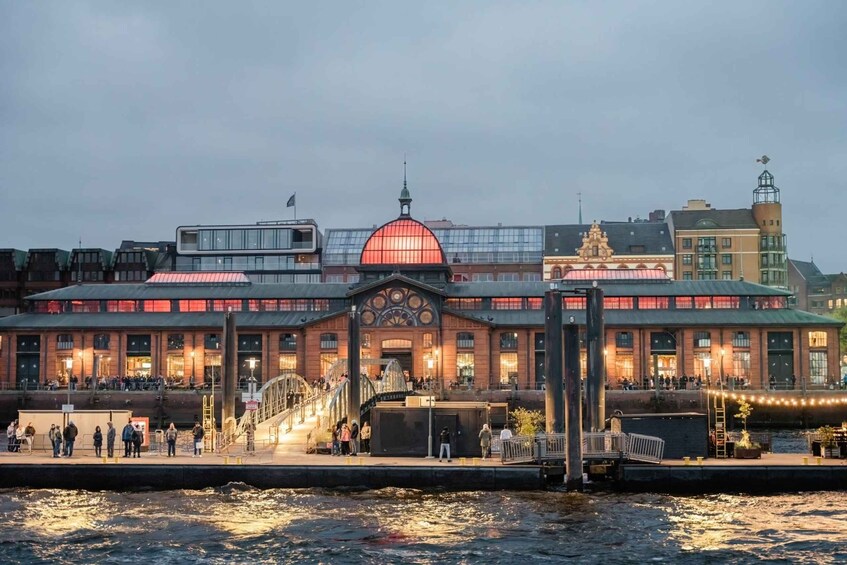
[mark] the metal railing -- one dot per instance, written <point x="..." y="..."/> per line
<point x="600" y="445"/>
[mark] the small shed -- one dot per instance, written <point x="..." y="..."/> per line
<point x="686" y="434"/>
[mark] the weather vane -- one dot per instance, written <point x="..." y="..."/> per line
<point x="763" y="159"/>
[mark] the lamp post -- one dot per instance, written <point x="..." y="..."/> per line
<point x="69" y="363"/>
<point x="430" y="363"/>
<point x="252" y="363"/>
<point x="721" y="368"/>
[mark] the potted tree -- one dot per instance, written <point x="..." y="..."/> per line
<point x="745" y="448"/>
<point x="829" y="447"/>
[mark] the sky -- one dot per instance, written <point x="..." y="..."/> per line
<point x="125" y="120"/>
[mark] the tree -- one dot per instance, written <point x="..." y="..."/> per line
<point x="527" y="422"/>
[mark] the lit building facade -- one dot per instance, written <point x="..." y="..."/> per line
<point x="630" y="245"/>
<point x="481" y="335"/>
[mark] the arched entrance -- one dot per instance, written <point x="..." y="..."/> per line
<point x="400" y="349"/>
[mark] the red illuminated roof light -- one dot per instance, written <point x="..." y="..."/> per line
<point x="192" y="278"/>
<point x="615" y="274"/>
<point x="403" y="242"/>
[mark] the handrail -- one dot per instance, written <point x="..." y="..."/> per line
<point x="595" y="445"/>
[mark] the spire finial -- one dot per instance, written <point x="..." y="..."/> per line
<point x="405" y="197"/>
<point x="579" y="195"/>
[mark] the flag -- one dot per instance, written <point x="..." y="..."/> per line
<point x="291" y="201"/>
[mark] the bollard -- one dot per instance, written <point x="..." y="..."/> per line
<point x="686" y="460"/>
<point x="462" y="461"/>
<point x="348" y="460"/>
<point x="805" y="461"/>
<point x="361" y="461"/>
<point x="226" y="459"/>
<point x="820" y="459"/>
<point x="105" y="459"/>
<point x="475" y="461"/>
<point x="240" y="460"/>
<point x="700" y="461"/>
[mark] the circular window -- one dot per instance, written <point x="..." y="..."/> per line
<point x="396" y="296"/>
<point x="368" y="317"/>
<point x="425" y="317"/>
<point x="415" y="302"/>
<point x="378" y="302"/>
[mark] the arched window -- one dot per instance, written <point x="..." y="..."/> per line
<point x="556" y="273"/>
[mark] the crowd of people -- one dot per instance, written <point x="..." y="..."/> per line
<point x="350" y="439"/>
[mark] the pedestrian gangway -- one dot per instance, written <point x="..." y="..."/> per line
<point x="595" y="446"/>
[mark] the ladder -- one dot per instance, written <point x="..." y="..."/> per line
<point x="208" y="423"/>
<point x="720" y="425"/>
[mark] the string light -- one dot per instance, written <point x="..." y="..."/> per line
<point x="814" y="402"/>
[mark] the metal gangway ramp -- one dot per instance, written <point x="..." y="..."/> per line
<point x="595" y="447"/>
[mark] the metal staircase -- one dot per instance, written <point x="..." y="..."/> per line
<point x="720" y="424"/>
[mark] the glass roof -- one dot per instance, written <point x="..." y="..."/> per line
<point x="403" y="242"/>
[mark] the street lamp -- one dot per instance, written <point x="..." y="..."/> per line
<point x="721" y="368"/>
<point x="252" y="363"/>
<point x="69" y="363"/>
<point x="430" y="363"/>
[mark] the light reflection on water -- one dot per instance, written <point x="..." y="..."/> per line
<point x="238" y="524"/>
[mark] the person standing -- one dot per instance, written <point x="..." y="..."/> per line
<point x="485" y="440"/>
<point x="126" y="437"/>
<point x="98" y="442"/>
<point x="170" y="436"/>
<point x="29" y="434"/>
<point x="10" y="435"/>
<point x="444" y="440"/>
<point x="366" y="437"/>
<point x="69" y="435"/>
<point x="345" y="439"/>
<point x="505" y="433"/>
<point x="55" y="437"/>
<point x="354" y="438"/>
<point x="110" y="439"/>
<point x="198" y="434"/>
<point x="137" y="440"/>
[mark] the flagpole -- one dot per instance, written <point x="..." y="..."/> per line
<point x="295" y="205"/>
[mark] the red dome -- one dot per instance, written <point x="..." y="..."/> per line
<point x="403" y="242"/>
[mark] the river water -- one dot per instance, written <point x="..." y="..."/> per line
<point x="238" y="524"/>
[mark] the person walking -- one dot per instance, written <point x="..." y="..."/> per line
<point x="170" y="437"/>
<point x="69" y="436"/>
<point x="98" y="442"/>
<point x="110" y="439"/>
<point x="485" y="441"/>
<point x="354" y="438"/>
<point x="29" y="435"/>
<point x="444" y="440"/>
<point x="126" y="437"/>
<point x="198" y="434"/>
<point x="55" y="437"/>
<point x="366" y="437"/>
<point x="137" y="440"/>
<point x="505" y="433"/>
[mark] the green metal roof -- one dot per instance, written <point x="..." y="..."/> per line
<point x="106" y="320"/>
<point x="659" y="318"/>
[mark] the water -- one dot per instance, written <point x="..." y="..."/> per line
<point x="239" y="524"/>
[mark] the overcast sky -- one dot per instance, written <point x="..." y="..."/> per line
<point x="124" y="120"/>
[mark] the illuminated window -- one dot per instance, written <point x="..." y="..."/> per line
<point x="192" y="305"/>
<point x="402" y="242"/>
<point x="226" y="305"/>
<point x="741" y="363"/>
<point x="653" y="303"/>
<point x="64" y="341"/>
<point x="287" y="363"/>
<point x="684" y="302"/>
<point x="623" y="366"/>
<point x="506" y="304"/>
<point x="157" y="305"/>
<point x="327" y="361"/>
<point x="573" y="303"/>
<point x="702" y="339"/>
<point x="702" y="302"/>
<point x="288" y="342"/>
<point x="427" y="340"/>
<point x="618" y="303"/>
<point x="329" y="341"/>
<point x="534" y="303"/>
<point x="817" y="339"/>
<point x="464" y="303"/>
<point x="269" y="305"/>
<point x="509" y="368"/>
<point x="465" y="368"/>
<point x="121" y="306"/>
<point x="726" y="302"/>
